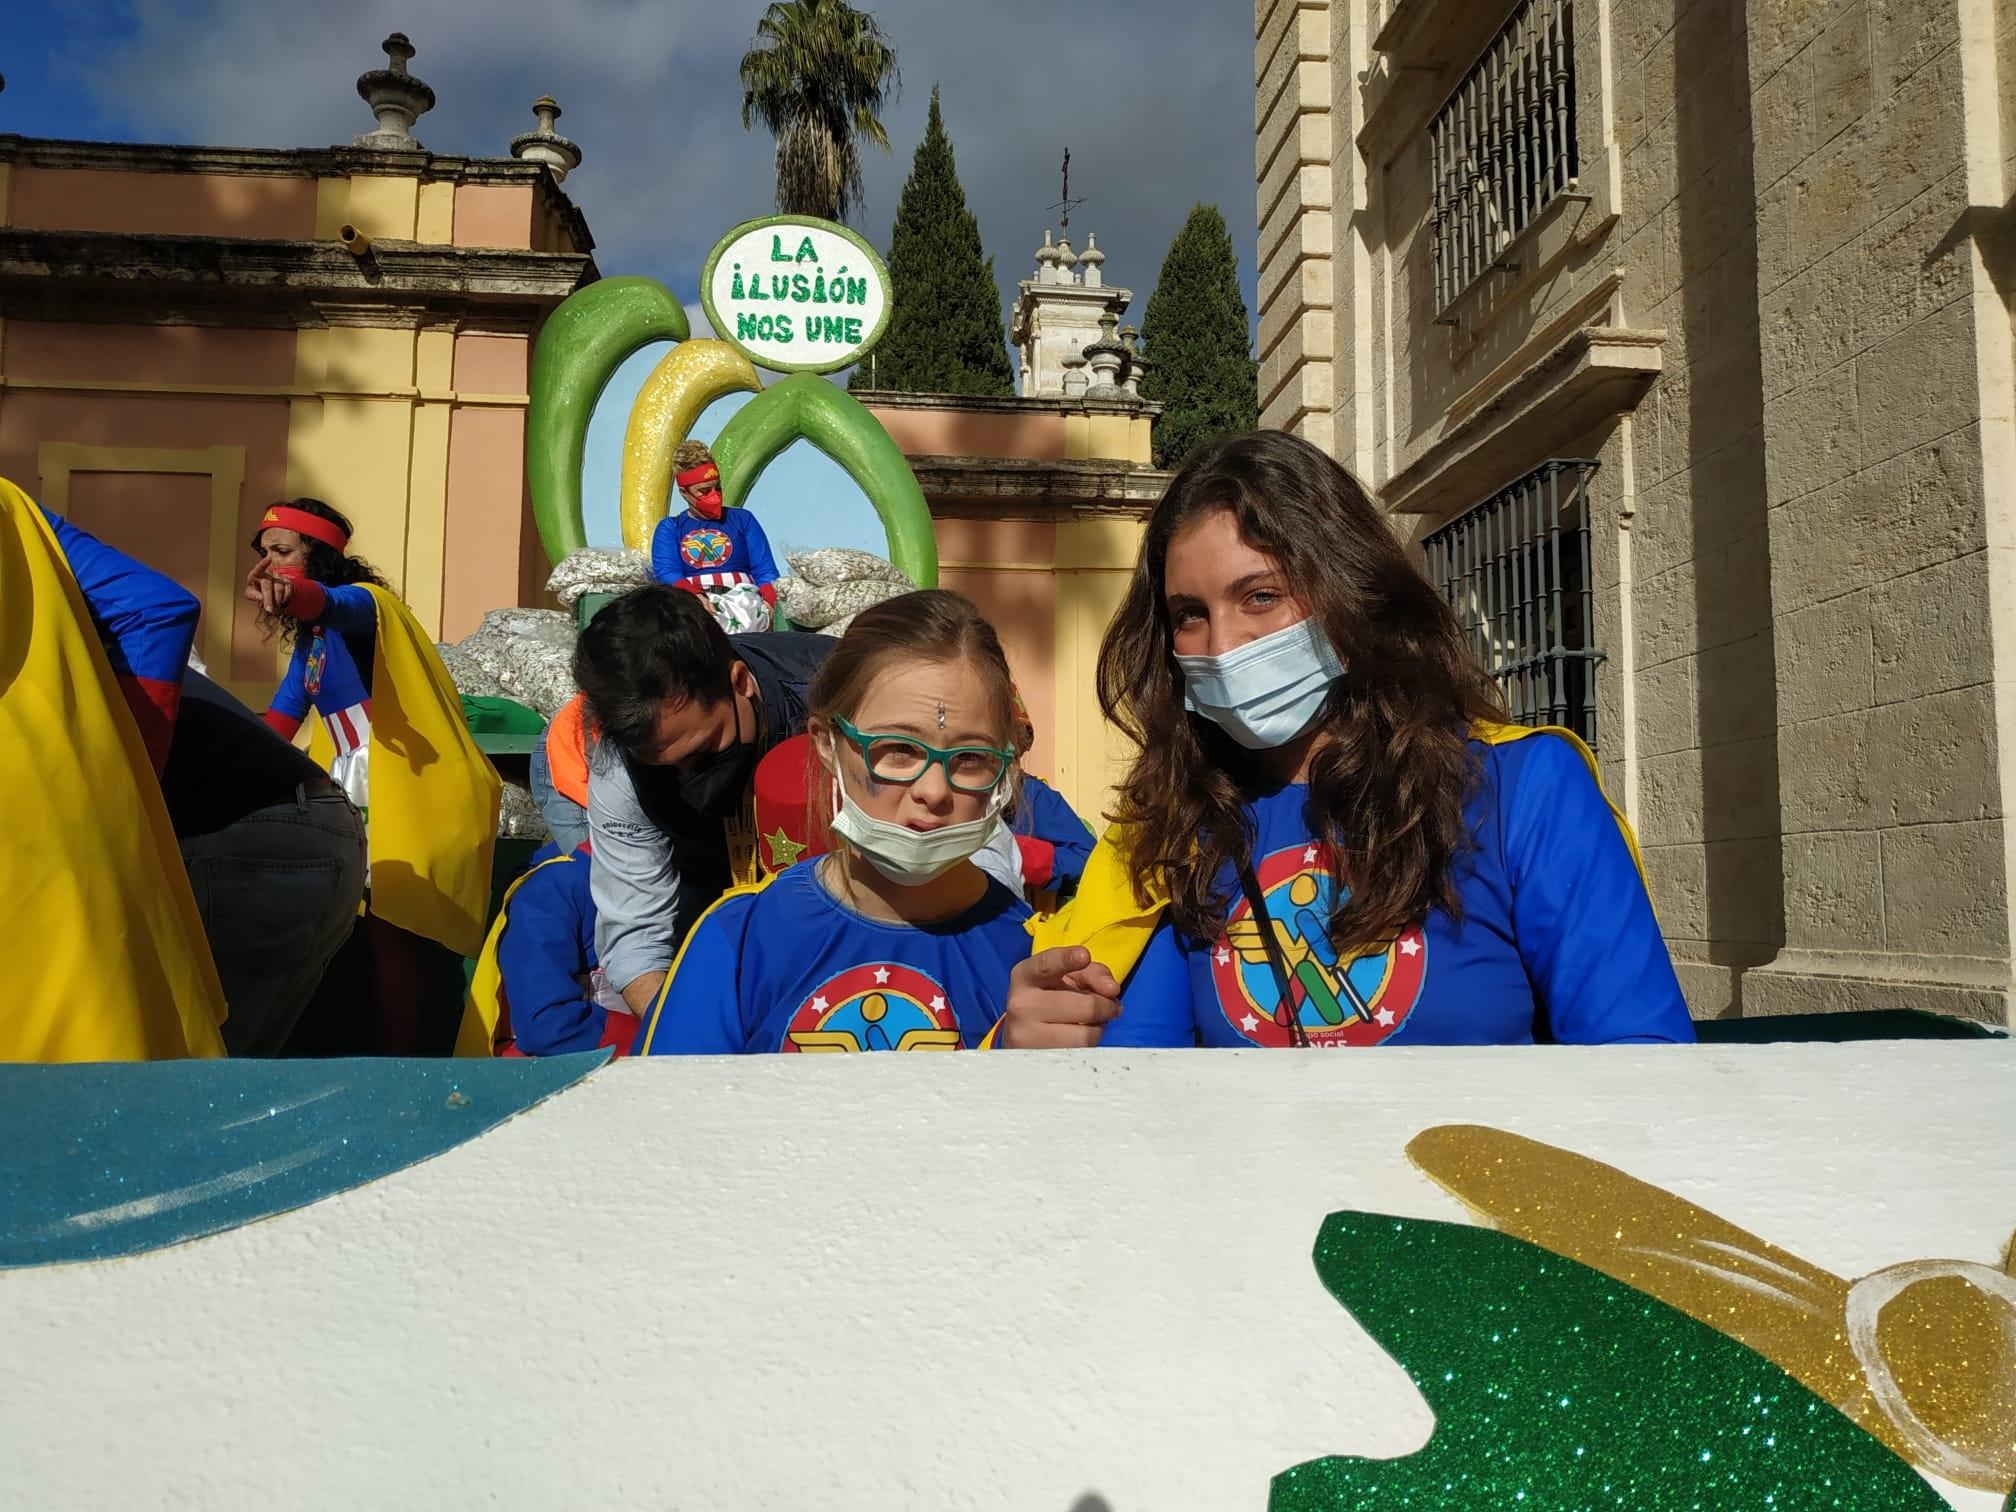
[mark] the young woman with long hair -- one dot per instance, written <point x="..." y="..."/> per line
<point x="894" y="939"/>
<point x="1331" y="837"/>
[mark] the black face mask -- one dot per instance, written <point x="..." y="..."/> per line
<point x="714" y="784"/>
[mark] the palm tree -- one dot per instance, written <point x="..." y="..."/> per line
<point x="816" y="76"/>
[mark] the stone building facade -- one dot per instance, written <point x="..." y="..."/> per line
<point x="1752" y="262"/>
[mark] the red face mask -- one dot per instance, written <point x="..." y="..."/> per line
<point x="702" y="487"/>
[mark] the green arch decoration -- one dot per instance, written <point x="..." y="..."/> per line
<point x="584" y="342"/>
<point x="833" y="420"/>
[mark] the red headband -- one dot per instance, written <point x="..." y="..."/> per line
<point x="706" y="472"/>
<point x="328" y="532"/>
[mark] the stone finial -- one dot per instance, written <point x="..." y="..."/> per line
<point x="1091" y="260"/>
<point x="1074" y="377"/>
<point x="396" y="98"/>
<point x="544" y="144"/>
<point x="1137" y="361"/>
<point x="1066" y="258"/>
<point x="1106" y="357"/>
<point x="1046" y="261"/>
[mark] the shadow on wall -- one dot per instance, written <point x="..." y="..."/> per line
<point x="805" y="499"/>
<point x="1736" y="675"/>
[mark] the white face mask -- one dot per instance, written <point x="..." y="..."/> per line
<point x="908" y="857"/>
<point x="1265" y="693"/>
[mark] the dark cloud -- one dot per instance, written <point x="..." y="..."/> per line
<point x="1154" y="98"/>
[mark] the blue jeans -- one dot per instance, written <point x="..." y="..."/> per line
<point x="564" y="817"/>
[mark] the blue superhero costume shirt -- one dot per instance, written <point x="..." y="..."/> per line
<point x="788" y="967"/>
<point x="330" y="669"/>
<point x="547" y="948"/>
<point x="1042" y="814"/>
<point x="1557" y="940"/>
<point x="719" y="552"/>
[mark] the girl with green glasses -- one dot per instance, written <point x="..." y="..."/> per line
<point x="894" y="939"/>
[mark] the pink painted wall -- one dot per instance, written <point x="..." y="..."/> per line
<point x="45" y="350"/>
<point x="953" y="432"/>
<point x="161" y="518"/>
<point x="29" y="417"/>
<point x="487" y="513"/>
<point x="164" y="204"/>
<point x="493" y="215"/>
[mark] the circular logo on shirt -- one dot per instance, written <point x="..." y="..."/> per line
<point x="317" y="659"/>
<point x="1356" y="1000"/>
<point x="879" y="1006"/>
<point x="705" y="547"/>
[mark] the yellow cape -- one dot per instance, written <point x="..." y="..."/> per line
<point x="434" y="796"/>
<point x="105" y="953"/>
<point x="1108" y="919"/>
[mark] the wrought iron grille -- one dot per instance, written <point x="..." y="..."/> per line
<point x="1504" y="144"/>
<point x="1516" y="571"/>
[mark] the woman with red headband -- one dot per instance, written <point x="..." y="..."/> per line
<point x="718" y="553"/>
<point x="433" y="824"/>
<point x="308" y="586"/>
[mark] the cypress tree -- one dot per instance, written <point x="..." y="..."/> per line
<point x="945" y="334"/>
<point x="1200" y="357"/>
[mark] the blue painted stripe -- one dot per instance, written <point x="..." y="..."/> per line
<point x="106" y="1160"/>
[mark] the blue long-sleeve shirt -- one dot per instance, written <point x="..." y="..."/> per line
<point x="1042" y="814"/>
<point x="1557" y="939"/>
<point x="544" y="956"/>
<point x="145" y="621"/>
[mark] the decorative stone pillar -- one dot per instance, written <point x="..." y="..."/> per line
<point x="396" y="98"/>
<point x="545" y="145"/>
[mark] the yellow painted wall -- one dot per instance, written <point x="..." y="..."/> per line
<point x="1095" y="559"/>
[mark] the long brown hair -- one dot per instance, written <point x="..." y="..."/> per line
<point x="1387" y="789"/>
<point x="931" y="626"/>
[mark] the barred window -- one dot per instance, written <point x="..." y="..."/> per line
<point x="1516" y="571"/>
<point x="1504" y="144"/>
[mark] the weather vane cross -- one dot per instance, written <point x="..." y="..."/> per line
<point x="1067" y="204"/>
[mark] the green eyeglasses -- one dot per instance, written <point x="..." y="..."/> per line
<point x="902" y="759"/>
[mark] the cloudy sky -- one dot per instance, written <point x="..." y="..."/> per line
<point x="1153" y="97"/>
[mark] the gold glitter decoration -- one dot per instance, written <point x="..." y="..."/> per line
<point x="686" y="380"/>
<point x="784" y="851"/>
<point x="1935" y="1380"/>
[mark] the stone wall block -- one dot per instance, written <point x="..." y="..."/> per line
<point x="1666" y="616"/>
<point x="1930" y="631"/>
<point x="1823" y="775"/>
<point x="1669" y="799"/>
<point x="1739" y="784"/>
<point x="1836" y="539"/>
<point x="1825" y="662"/>
<point x="1782" y="115"/>
<point x="1842" y="71"/>
<point x="1677" y="876"/>
<point x="1668" y="718"/>
<point x="1945" y="890"/>
<point x="1737" y="684"/>
<point x="1932" y="760"/>
<point x="1834" y="891"/>
<point x="1811" y="438"/>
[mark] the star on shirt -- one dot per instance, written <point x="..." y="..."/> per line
<point x="881" y="975"/>
<point x="1249" y="1023"/>
<point x="1309" y="856"/>
<point x="1385" y="1017"/>
<point x="1224" y="956"/>
<point x="937" y="1005"/>
<point x="818" y="1005"/>
<point x="1410" y="947"/>
<point x="784" y="851"/>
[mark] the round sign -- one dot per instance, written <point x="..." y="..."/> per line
<point x="796" y="293"/>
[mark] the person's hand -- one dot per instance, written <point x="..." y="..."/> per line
<point x="268" y="589"/>
<point x="1059" y="999"/>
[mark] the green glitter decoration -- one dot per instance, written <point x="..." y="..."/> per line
<point x="1554" y="1386"/>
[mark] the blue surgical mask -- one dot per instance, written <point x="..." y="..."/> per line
<point x="1269" y="690"/>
